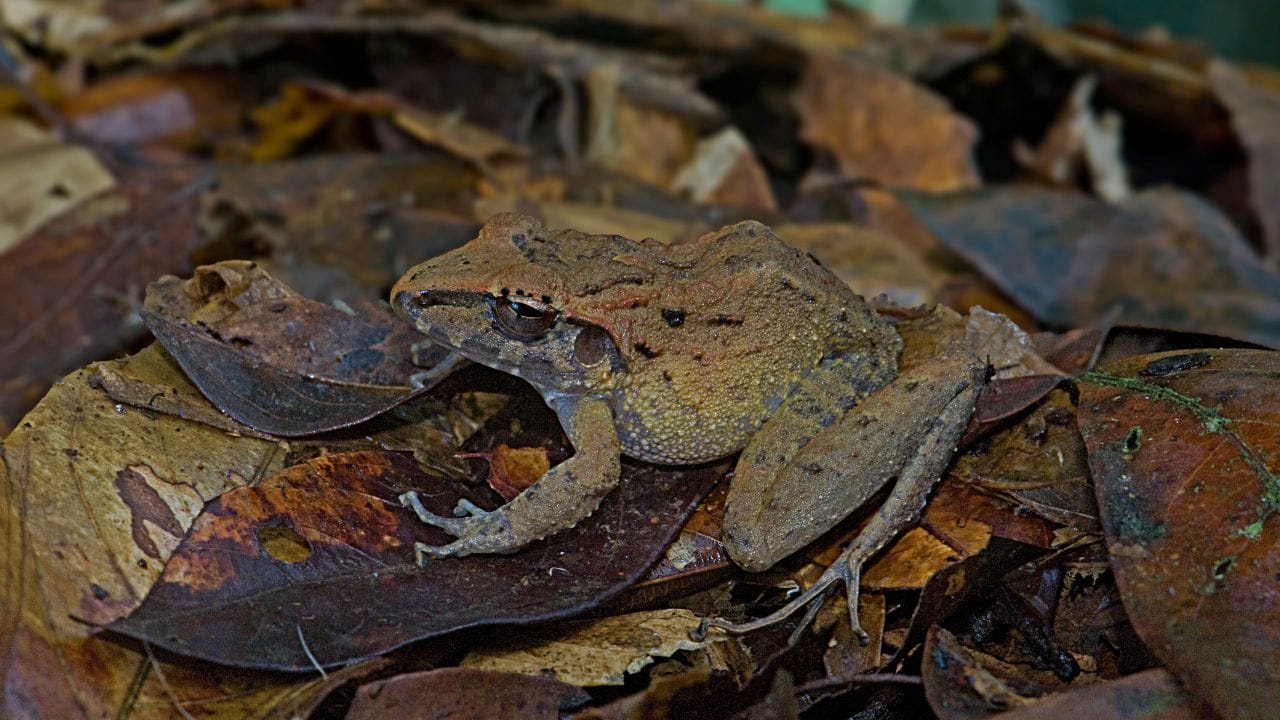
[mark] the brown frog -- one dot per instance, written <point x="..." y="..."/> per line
<point x="686" y="353"/>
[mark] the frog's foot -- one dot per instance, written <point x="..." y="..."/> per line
<point x="478" y="530"/>
<point x="441" y="364"/>
<point x="847" y="569"/>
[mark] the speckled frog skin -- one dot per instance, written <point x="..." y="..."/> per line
<point x="670" y="354"/>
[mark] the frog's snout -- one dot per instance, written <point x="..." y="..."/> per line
<point x="404" y="302"/>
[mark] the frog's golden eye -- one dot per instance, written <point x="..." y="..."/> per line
<point x="521" y="321"/>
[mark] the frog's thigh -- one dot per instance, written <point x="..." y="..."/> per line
<point x="563" y="496"/>
<point x="783" y="498"/>
<point x="811" y="410"/>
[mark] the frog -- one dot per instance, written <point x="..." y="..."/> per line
<point x="686" y="353"/>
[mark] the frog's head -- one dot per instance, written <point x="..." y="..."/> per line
<point x="502" y="300"/>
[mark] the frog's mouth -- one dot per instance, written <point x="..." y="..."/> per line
<point x="516" y="335"/>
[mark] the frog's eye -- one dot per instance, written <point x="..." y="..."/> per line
<point x="521" y="321"/>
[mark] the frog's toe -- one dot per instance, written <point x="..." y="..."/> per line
<point x="413" y="502"/>
<point x="490" y="533"/>
<point x="424" y="553"/>
<point x="466" y="508"/>
<point x="845" y="570"/>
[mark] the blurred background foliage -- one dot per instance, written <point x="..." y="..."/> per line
<point x="1236" y="29"/>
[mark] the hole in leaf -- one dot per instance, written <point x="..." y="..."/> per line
<point x="284" y="544"/>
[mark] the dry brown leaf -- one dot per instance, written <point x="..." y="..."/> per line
<point x="1006" y="347"/>
<point x="41" y="177"/>
<point x="1080" y="140"/>
<point x="183" y="109"/>
<point x="598" y="219"/>
<point x="868" y="261"/>
<point x="593" y="652"/>
<point x="918" y="554"/>
<point x="459" y="694"/>
<point x="646" y="142"/>
<point x="108" y="491"/>
<point x="97" y="495"/>
<point x="725" y="170"/>
<point x="511" y="470"/>
<point x="152" y="380"/>
<point x="882" y="127"/>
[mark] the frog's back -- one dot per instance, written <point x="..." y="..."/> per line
<point x="738" y="319"/>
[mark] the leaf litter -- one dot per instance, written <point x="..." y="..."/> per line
<point x="257" y="525"/>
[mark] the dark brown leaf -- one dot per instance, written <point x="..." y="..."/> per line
<point x="963" y="682"/>
<point x="1039" y="463"/>
<point x="953" y="585"/>
<point x="1147" y="695"/>
<point x="342" y="227"/>
<point x="648" y="77"/>
<point x="465" y="694"/>
<point x="1183" y="448"/>
<point x="279" y="363"/>
<point x="73" y="286"/>
<point x="1163" y="259"/>
<point x="1255" y="115"/>
<point x="317" y="562"/>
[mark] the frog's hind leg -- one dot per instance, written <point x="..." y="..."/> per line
<point x="565" y="495"/>
<point x="908" y="429"/>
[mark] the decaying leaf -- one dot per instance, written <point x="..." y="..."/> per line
<point x="723" y="170"/>
<point x="1255" y="113"/>
<point x="1149" y="695"/>
<point x="1040" y="462"/>
<point x="963" y="682"/>
<point x="279" y="363"/>
<point x="1079" y="142"/>
<point x="870" y="262"/>
<point x="98" y="495"/>
<point x="381" y="136"/>
<point x="341" y="227"/>
<point x="108" y="491"/>
<point x="182" y="109"/>
<point x="305" y="107"/>
<point x="1184" y="453"/>
<point x="276" y="575"/>
<point x="511" y="470"/>
<point x="593" y="652"/>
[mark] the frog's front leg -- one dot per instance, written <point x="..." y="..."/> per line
<point x="906" y="429"/>
<point x="565" y="495"/>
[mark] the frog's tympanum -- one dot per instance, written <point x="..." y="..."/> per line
<point x="686" y="353"/>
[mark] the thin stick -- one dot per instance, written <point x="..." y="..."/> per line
<point x="314" y="663"/>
